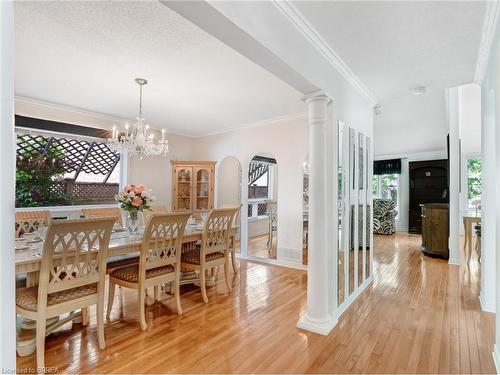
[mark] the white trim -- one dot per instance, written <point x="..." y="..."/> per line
<point x="274" y="262"/>
<point x="270" y="121"/>
<point x="487" y="34"/>
<point x="350" y="299"/>
<point x="67" y="108"/>
<point x="454" y="262"/>
<point x="60" y="107"/>
<point x="487" y="306"/>
<point x="66" y="208"/>
<point x="315" y="39"/>
<point x="496" y="357"/>
<point x="321" y="328"/>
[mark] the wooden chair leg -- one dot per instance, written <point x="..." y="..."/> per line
<point x="177" y="291"/>
<point x="85" y="316"/>
<point x="203" y="285"/>
<point x="40" y="343"/>
<point x="226" y="273"/>
<point x="233" y="260"/>
<point x="111" y="298"/>
<point x="100" y="323"/>
<point x="157" y="292"/>
<point x="142" y="309"/>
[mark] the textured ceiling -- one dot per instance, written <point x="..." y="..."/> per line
<point x="393" y="46"/>
<point x="86" y="55"/>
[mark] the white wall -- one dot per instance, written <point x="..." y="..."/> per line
<point x="228" y="182"/>
<point x="7" y="278"/>
<point x="490" y="264"/>
<point x="288" y="143"/>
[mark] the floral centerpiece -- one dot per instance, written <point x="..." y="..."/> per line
<point x="132" y="199"/>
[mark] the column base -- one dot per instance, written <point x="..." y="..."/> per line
<point x="321" y="328"/>
<point x="496" y="357"/>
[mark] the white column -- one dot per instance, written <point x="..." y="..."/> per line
<point x="7" y="194"/>
<point x="454" y="243"/>
<point x="318" y="316"/>
<point x="488" y="199"/>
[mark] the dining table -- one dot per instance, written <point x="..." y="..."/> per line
<point x="28" y="258"/>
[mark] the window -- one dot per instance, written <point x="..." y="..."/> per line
<point x="474" y="187"/>
<point x="386" y="186"/>
<point x="59" y="170"/>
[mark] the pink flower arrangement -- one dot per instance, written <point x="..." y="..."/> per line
<point x="134" y="198"/>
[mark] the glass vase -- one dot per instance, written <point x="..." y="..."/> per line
<point x="132" y="221"/>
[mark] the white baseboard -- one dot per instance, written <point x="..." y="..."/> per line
<point x="455" y="262"/>
<point x="496" y="358"/>
<point x="276" y="262"/>
<point x="321" y="328"/>
<point x="487" y="306"/>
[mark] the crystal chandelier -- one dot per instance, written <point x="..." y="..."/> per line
<point x="139" y="141"/>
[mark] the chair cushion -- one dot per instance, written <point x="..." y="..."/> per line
<point x="27" y="298"/>
<point x="121" y="261"/>
<point x="193" y="257"/>
<point x="131" y="273"/>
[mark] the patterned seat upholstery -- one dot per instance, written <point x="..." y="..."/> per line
<point x="27" y="298"/>
<point x="121" y="261"/>
<point x="193" y="257"/>
<point x="384" y="216"/>
<point x="131" y="273"/>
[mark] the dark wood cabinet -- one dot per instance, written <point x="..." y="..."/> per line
<point x="428" y="184"/>
<point x="435" y="229"/>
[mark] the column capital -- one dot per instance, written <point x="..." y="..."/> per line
<point x="314" y="96"/>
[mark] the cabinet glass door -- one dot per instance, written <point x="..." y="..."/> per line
<point x="184" y="179"/>
<point x="202" y="190"/>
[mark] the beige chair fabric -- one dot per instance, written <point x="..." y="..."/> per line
<point x="159" y="262"/>
<point x="214" y="250"/>
<point x="72" y="275"/>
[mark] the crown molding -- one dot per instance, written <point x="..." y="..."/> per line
<point x="270" y="121"/>
<point x="59" y="107"/>
<point x="487" y="34"/>
<point x="315" y="39"/>
<point x="80" y="111"/>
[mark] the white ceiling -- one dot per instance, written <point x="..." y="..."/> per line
<point x="394" y="46"/>
<point x="86" y="55"/>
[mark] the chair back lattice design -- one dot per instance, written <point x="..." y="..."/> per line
<point x="162" y="241"/>
<point x="74" y="254"/>
<point x="155" y="209"/>
<point x="29" y="221"/>
<point x="215" y="236"/>
<point x="113" y="212"/>
<point x="272" y="211"/>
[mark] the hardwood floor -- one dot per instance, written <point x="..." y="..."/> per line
<point x="257" y="246"/>
<point x="419" y="316"/>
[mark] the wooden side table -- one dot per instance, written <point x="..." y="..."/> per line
<point x="469" y="218"/>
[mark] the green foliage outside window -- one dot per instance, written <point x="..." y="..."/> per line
<point x="474" y="178"/>
<point x="38" y="169"/>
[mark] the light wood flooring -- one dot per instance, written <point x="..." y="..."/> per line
<point x="257" y="246"/>
<point x="419" y="316"/>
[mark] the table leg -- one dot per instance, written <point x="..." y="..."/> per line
<point x="465" y="236"/>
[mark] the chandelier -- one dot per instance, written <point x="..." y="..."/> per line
<point x="139" y="141"/>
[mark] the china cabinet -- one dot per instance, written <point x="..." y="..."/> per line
<point x="193" y="186"/>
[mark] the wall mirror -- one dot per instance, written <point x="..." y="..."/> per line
<point x="305" y="209"/>
<point x="368" y="195"/>
<point x="263" y="206"/>
<point x="342" y="177"/>
<point x="360" y="222"/>
<point x="350" y="258"/>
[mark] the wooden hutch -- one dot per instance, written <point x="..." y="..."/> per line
<point x="193" y="186"/>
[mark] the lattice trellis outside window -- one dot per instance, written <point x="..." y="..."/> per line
<point x="93" y="161"/>
<point x="78" y="155"/>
